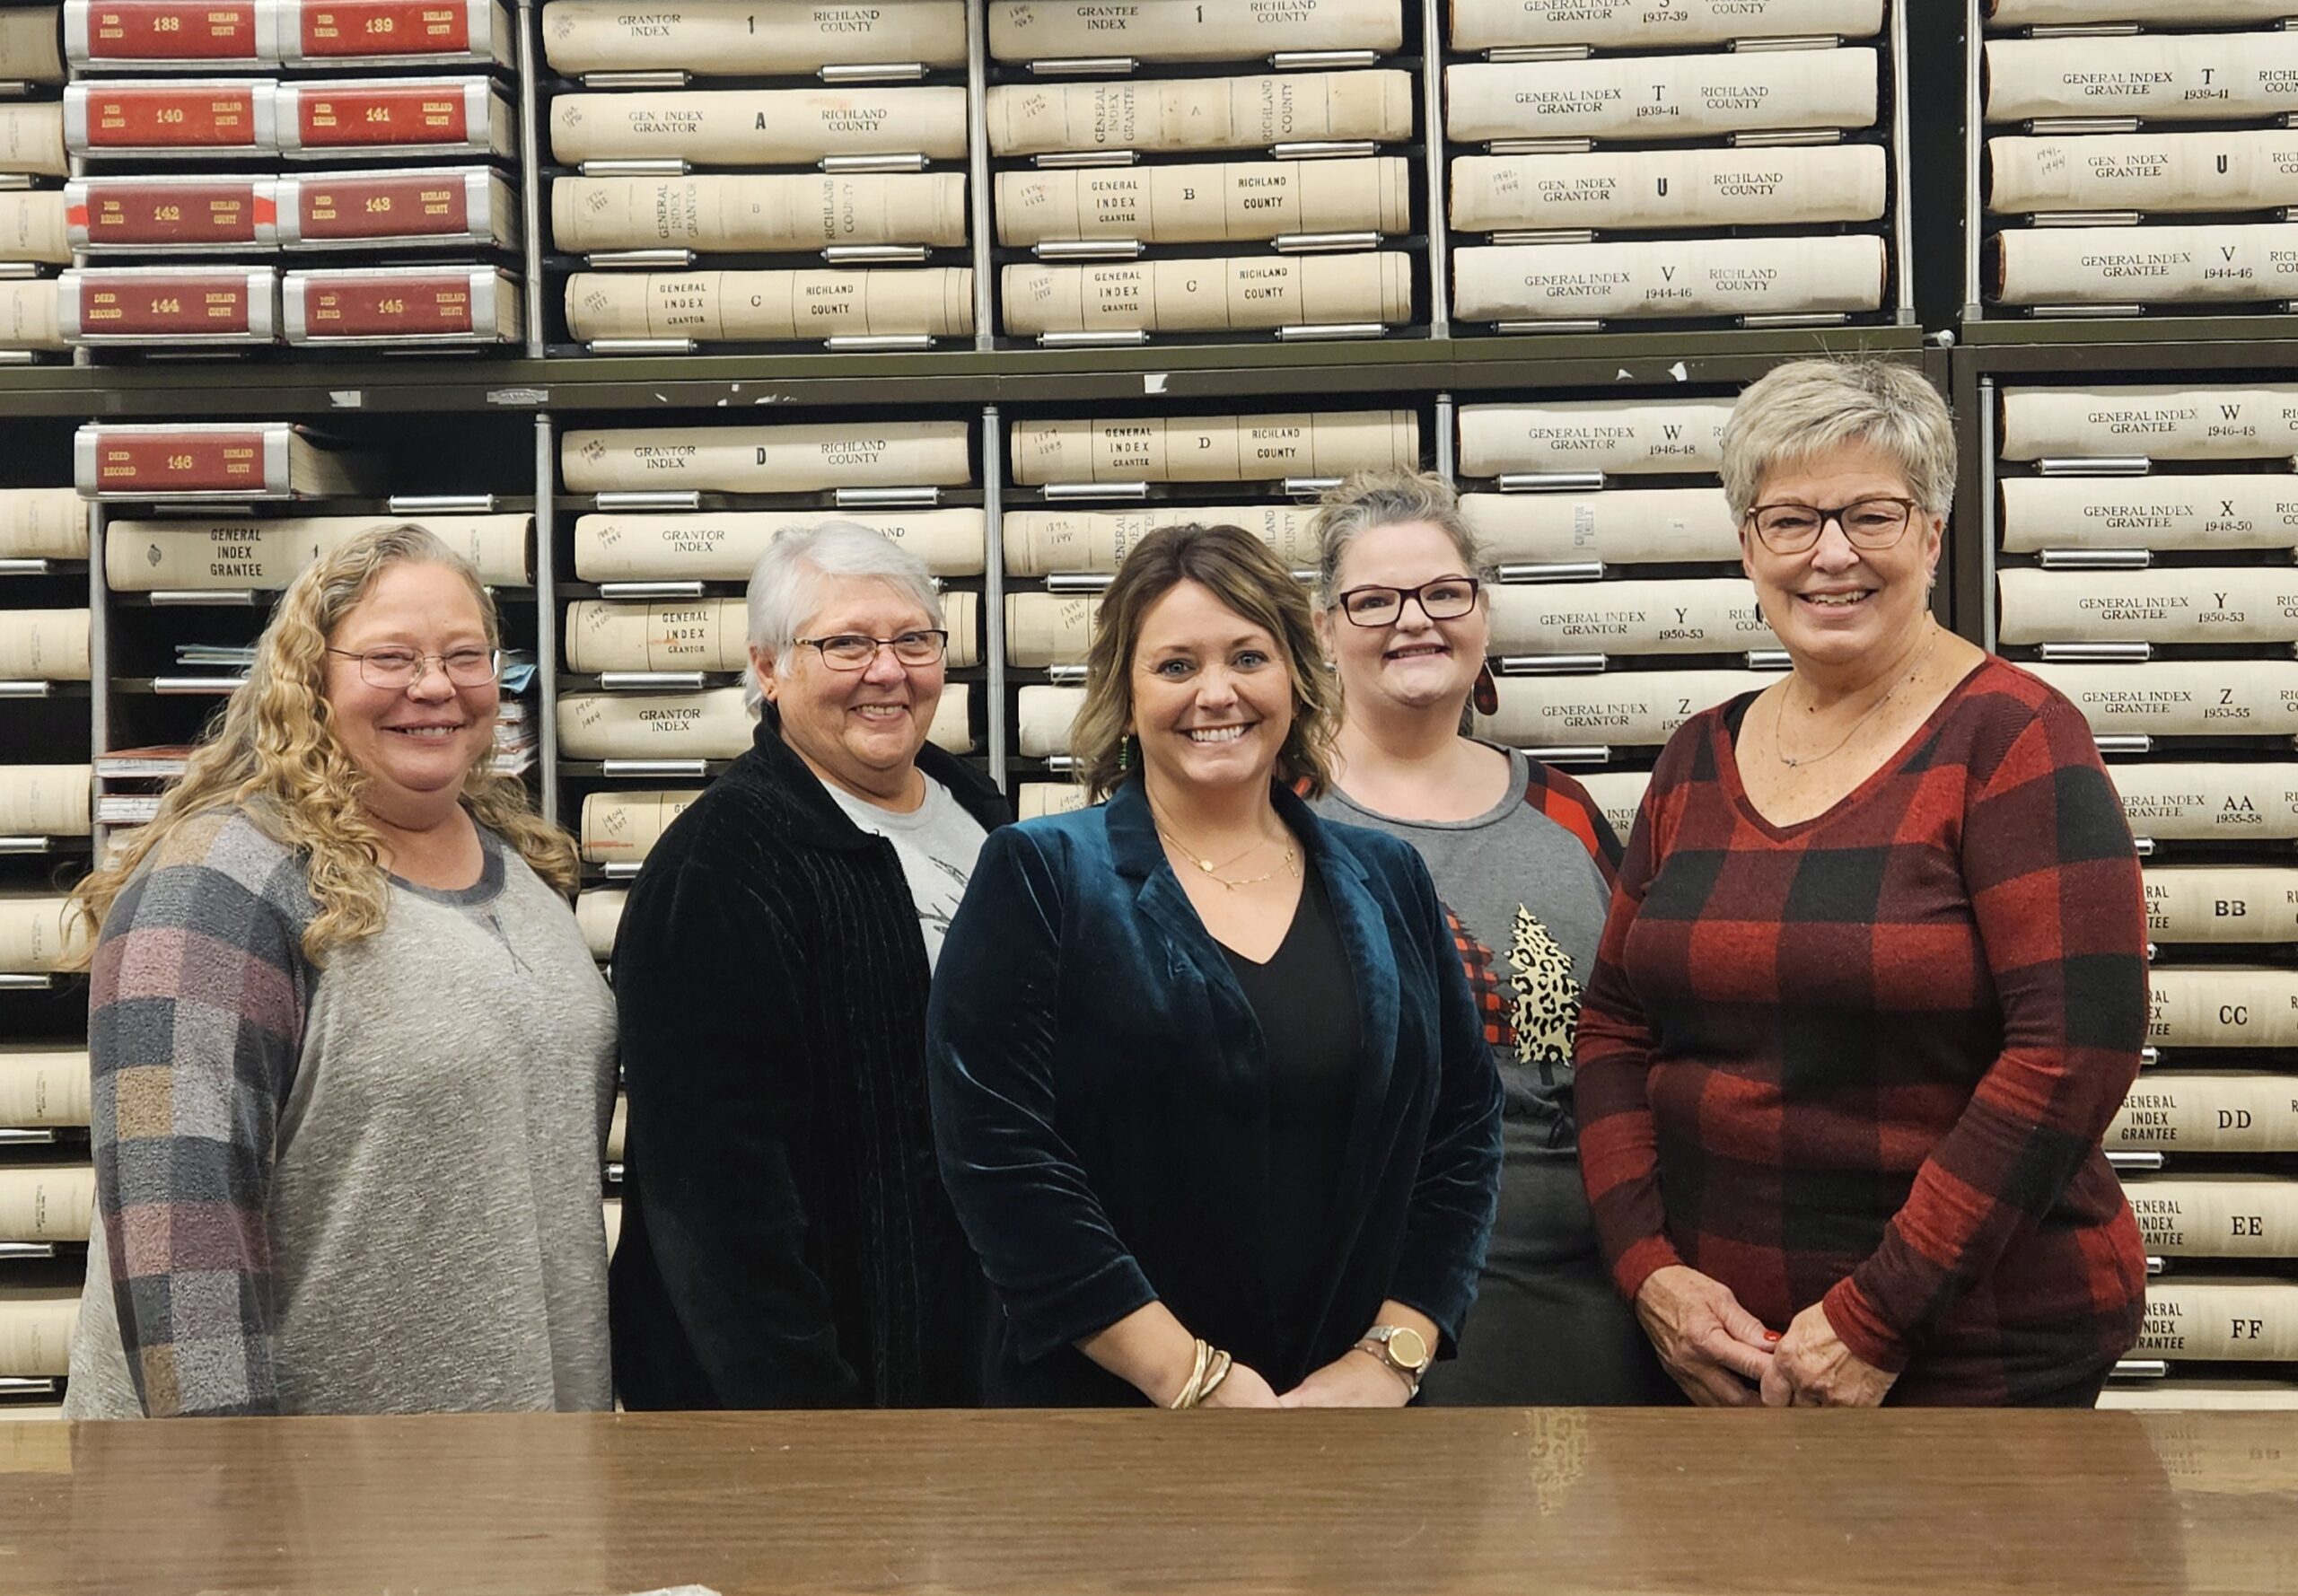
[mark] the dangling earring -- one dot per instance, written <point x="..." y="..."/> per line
<point x="1124" y="754"/>
<point x="1485" y="694"/>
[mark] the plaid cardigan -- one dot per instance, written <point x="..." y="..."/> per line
<point x="1867" y="1059"/>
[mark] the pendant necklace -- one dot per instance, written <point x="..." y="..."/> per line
<point x="1779" y="716"/>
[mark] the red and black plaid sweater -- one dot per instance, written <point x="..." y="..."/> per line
<point x="1868" y="1059"/>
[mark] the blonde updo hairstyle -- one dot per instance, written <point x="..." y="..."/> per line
<point x="1245" y="574"/>
<point x="274" y="752"/>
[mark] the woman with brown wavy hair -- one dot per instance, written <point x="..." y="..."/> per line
<point x="1209" y="1088"/>
<point x="353" y="1064"/>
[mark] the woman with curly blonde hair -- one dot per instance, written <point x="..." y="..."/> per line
<point x="1209" y="1084"/>
<point x="353" y="1064"/>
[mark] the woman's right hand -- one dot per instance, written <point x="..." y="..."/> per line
<point x="1243" y="1388"/>
<point x="1713" y="1348"/>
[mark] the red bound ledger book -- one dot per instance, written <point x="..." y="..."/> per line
<point x="169" y="304"/>
<point x="157" y="215"/>
<point x="143" y="34"/>
<point x="170" y="119"/>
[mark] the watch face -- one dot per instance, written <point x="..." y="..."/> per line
<point x="1406" y="1346"/>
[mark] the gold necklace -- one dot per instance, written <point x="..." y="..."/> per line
<point x="1290" y="862"/>
<point x="1779" y="715"/>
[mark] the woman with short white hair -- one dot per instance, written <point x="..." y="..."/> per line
<point x="1873" y="981"/>
<point x="786" y="1241"/>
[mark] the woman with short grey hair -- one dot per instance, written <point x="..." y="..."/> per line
<point x="1873" y="981"/>
<point x="787" y="1240"/>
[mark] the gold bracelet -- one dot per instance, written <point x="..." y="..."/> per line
<point x="1191" y="1393"/>
<point x="1215" y="1372"/>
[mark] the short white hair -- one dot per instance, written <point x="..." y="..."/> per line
<point x="786" y="584"/>
<point x="1805" y="408"/>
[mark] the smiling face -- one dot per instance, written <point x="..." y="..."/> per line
<point x="1412" y="662"/>
<point x="1834" y="602"/>
<point x="1211" y="692"/>
<point x="860" y="729"/>
<point x="415" y="744"/>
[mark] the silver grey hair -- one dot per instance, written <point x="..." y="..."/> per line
<point x="1373" y="499"/>
<point x="1805" y="408"/>
<point x="786" y="584"/>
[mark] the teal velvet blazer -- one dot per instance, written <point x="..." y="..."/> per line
<point x="1099" y="1090"/>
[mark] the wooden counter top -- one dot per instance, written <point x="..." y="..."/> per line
<point x="1541" y="1502"/>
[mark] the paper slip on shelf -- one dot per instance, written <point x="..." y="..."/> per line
<point x="1213" y="448"/>
<point x="1650" y="97"/>
<point x="193" y="553"/>
<point x="1170" y="116"/>
<point x="2213" y="1111"/>
<point x="1622" y="435"/>
<point x="580" y="36"/>
<point x="725" y="546"/>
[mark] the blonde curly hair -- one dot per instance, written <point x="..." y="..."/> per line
<point x="273" y="751"/>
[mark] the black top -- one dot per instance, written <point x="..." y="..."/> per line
<point x="1306" y="1000"/>
<point x="786" y="1239"/>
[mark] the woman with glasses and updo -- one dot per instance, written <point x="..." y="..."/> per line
<point x="1874" y="983"/>
<point x="1209" y="1085"/>
<point x="352" y="1063"/>
<point x="786" y="1241"/>
<point x="1523" y="859"/>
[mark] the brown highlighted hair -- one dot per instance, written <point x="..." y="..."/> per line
<point x="1245" y="574"/>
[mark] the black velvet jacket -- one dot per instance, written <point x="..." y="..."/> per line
<point x="787" y="1239"/>
<point x="1100" y="1094"/>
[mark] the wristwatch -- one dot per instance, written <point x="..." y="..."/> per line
<point x="1403" y="1349"/>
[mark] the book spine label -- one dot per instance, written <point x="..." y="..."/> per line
<point x="580" y="36"/>
<point x="32" y="140"/>
<point x="2208" y="802"/>
<point x="706" y="725"/>
<point x="1627" y="617"/>
<point x="797" y="458"/>
<point x="769" y="305"/>
<point x="33" y="227"/>
<point x="2182" y="1111"/>
<point x="2183" y="697"/>
<point x="2214" y="604"/>
<point x="169" y="117"/>
<point x="160" y="304"/>
<point x="351" y="29"/>
<point x="2221" y="1006"/>
<point x="1044" y="630"/>
<point x="343" y="305"/>
<point x="43" y="524"/>
<point x="46" y="1202"/>
<point x="2159" y="422"/>
<point x="383" y="115"/>
<point x="138" y="32"/>
<point x="44" y="644"/>
<point x="2180" y="513"/>
<point x="192" y="461"/>
<point x="1607" y="436"/>
<point x="1662" y="97"/>
<point x="1633" y="709"/>
<point x="2220" y="1319"/>
<point x="1215" y="448"/>
<point x="2159" y="76"/>
<point x="43" y="801"/>
<point x="2149" y="171"/>
<point x="37" y="934"/>
<point x="1044" y="542"/>
<point x="224" y="553"/>
<point x="1669" y="188"/>
<point x="35" y="1334"/>
<point x="2220" y="903"/>
<point x="29" y="40"/>
<point x="2116" y="265"/>
<point x="769" y="211"/>
<point x="624" y="826"/>
<point x="768" y="127"/>
<point x="355" y="207"/>
<point x="2217" y="1216"/>
<point x="1621" y="526"/>
<point x="726" y="547"/>
<point x="1205" y="204"/>
<point x="1635" y="24"/>
<point x="708" y="635"/>
<point x="43" y="1086"/>
<point x="1184" y="31"/>
<point x="1042" y="717"/>
<point x="1200" y="113"/>
<point x="129" y="214"/>
<point x="1232" y="295"/>
<point x="29" y="316"/>
<point x="1754" y="276"/>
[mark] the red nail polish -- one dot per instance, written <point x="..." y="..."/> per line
<point x="1771" y="1335"/>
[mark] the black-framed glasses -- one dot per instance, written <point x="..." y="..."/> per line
<point x="1868" y="523"/>
<point x="398" y="668"/>
<point x="1448" y="598"/>
<point x="854" y="651"/>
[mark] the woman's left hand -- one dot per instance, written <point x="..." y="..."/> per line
<point x="1353" y="1380"/>
<point x="1813" y="1368"/>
